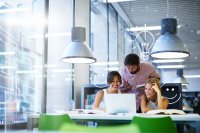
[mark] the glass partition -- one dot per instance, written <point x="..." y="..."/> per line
<point x="108" y="40"/>
<point x="23" y="41"/>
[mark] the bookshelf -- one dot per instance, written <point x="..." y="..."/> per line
<point x="191" y="101"/>
<point x="88" y="93"/>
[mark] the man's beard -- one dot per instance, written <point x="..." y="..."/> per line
<point x="134" y="72"/>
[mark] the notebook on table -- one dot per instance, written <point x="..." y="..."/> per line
<point x="120" y="103"/>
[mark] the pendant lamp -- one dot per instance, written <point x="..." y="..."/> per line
<point x="78" y="51"/>
<point x="180" y="78"/>
<point x="169" y="45"/>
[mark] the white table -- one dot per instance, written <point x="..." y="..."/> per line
<point x="186" y="118"/>
<point x="180" y="120"/>
<point x="191" y="119"/>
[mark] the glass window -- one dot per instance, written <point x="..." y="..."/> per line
<point x="108" y="39"/>
<point x="121" y="40"/>
<point x="59" y="74"/>
<point x="99" y="42"/>
<point x="112" y="34"/>
<point x="113" y="41"/>
<point x="22" y="46"/>
<point x="19" y="52"/>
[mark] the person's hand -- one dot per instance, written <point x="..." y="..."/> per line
<point x="155" y="87"/>
<point x="126" y="84"/>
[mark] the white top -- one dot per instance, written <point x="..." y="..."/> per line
<point x="152" y="105"/>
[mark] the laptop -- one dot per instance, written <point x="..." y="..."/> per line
<point x="120" y="103"/>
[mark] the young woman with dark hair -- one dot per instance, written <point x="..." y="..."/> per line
<point x="114" y="82"/>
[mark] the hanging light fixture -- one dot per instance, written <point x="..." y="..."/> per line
<point x="169" y="45"/>
<point x="77" y="51"/>
<point x="181" y="79"/>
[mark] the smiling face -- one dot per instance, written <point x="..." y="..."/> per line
<point x="173" y="94"/>
<point x="149" y="91"/>
<point x="116" y="82"/>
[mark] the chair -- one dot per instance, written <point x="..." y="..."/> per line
<point x="155" y="125"/>
<point x="53" y="122"/>
<point x="118" y="129"/>
<point x="129" y="128"/>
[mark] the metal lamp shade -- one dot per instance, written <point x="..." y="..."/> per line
<point x="169" y="46"/>
<point x="181" y="79"/>
<point x="77" y="51"/>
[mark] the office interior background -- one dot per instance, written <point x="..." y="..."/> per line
<point x="34" y="34"/>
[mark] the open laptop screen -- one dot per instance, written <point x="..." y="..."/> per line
<point x="120" y="103"/>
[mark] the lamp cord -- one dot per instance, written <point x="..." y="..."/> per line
<point x="73" y="14"/>
<point x="73" y="25"/>
<point x="167" y="8"/>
